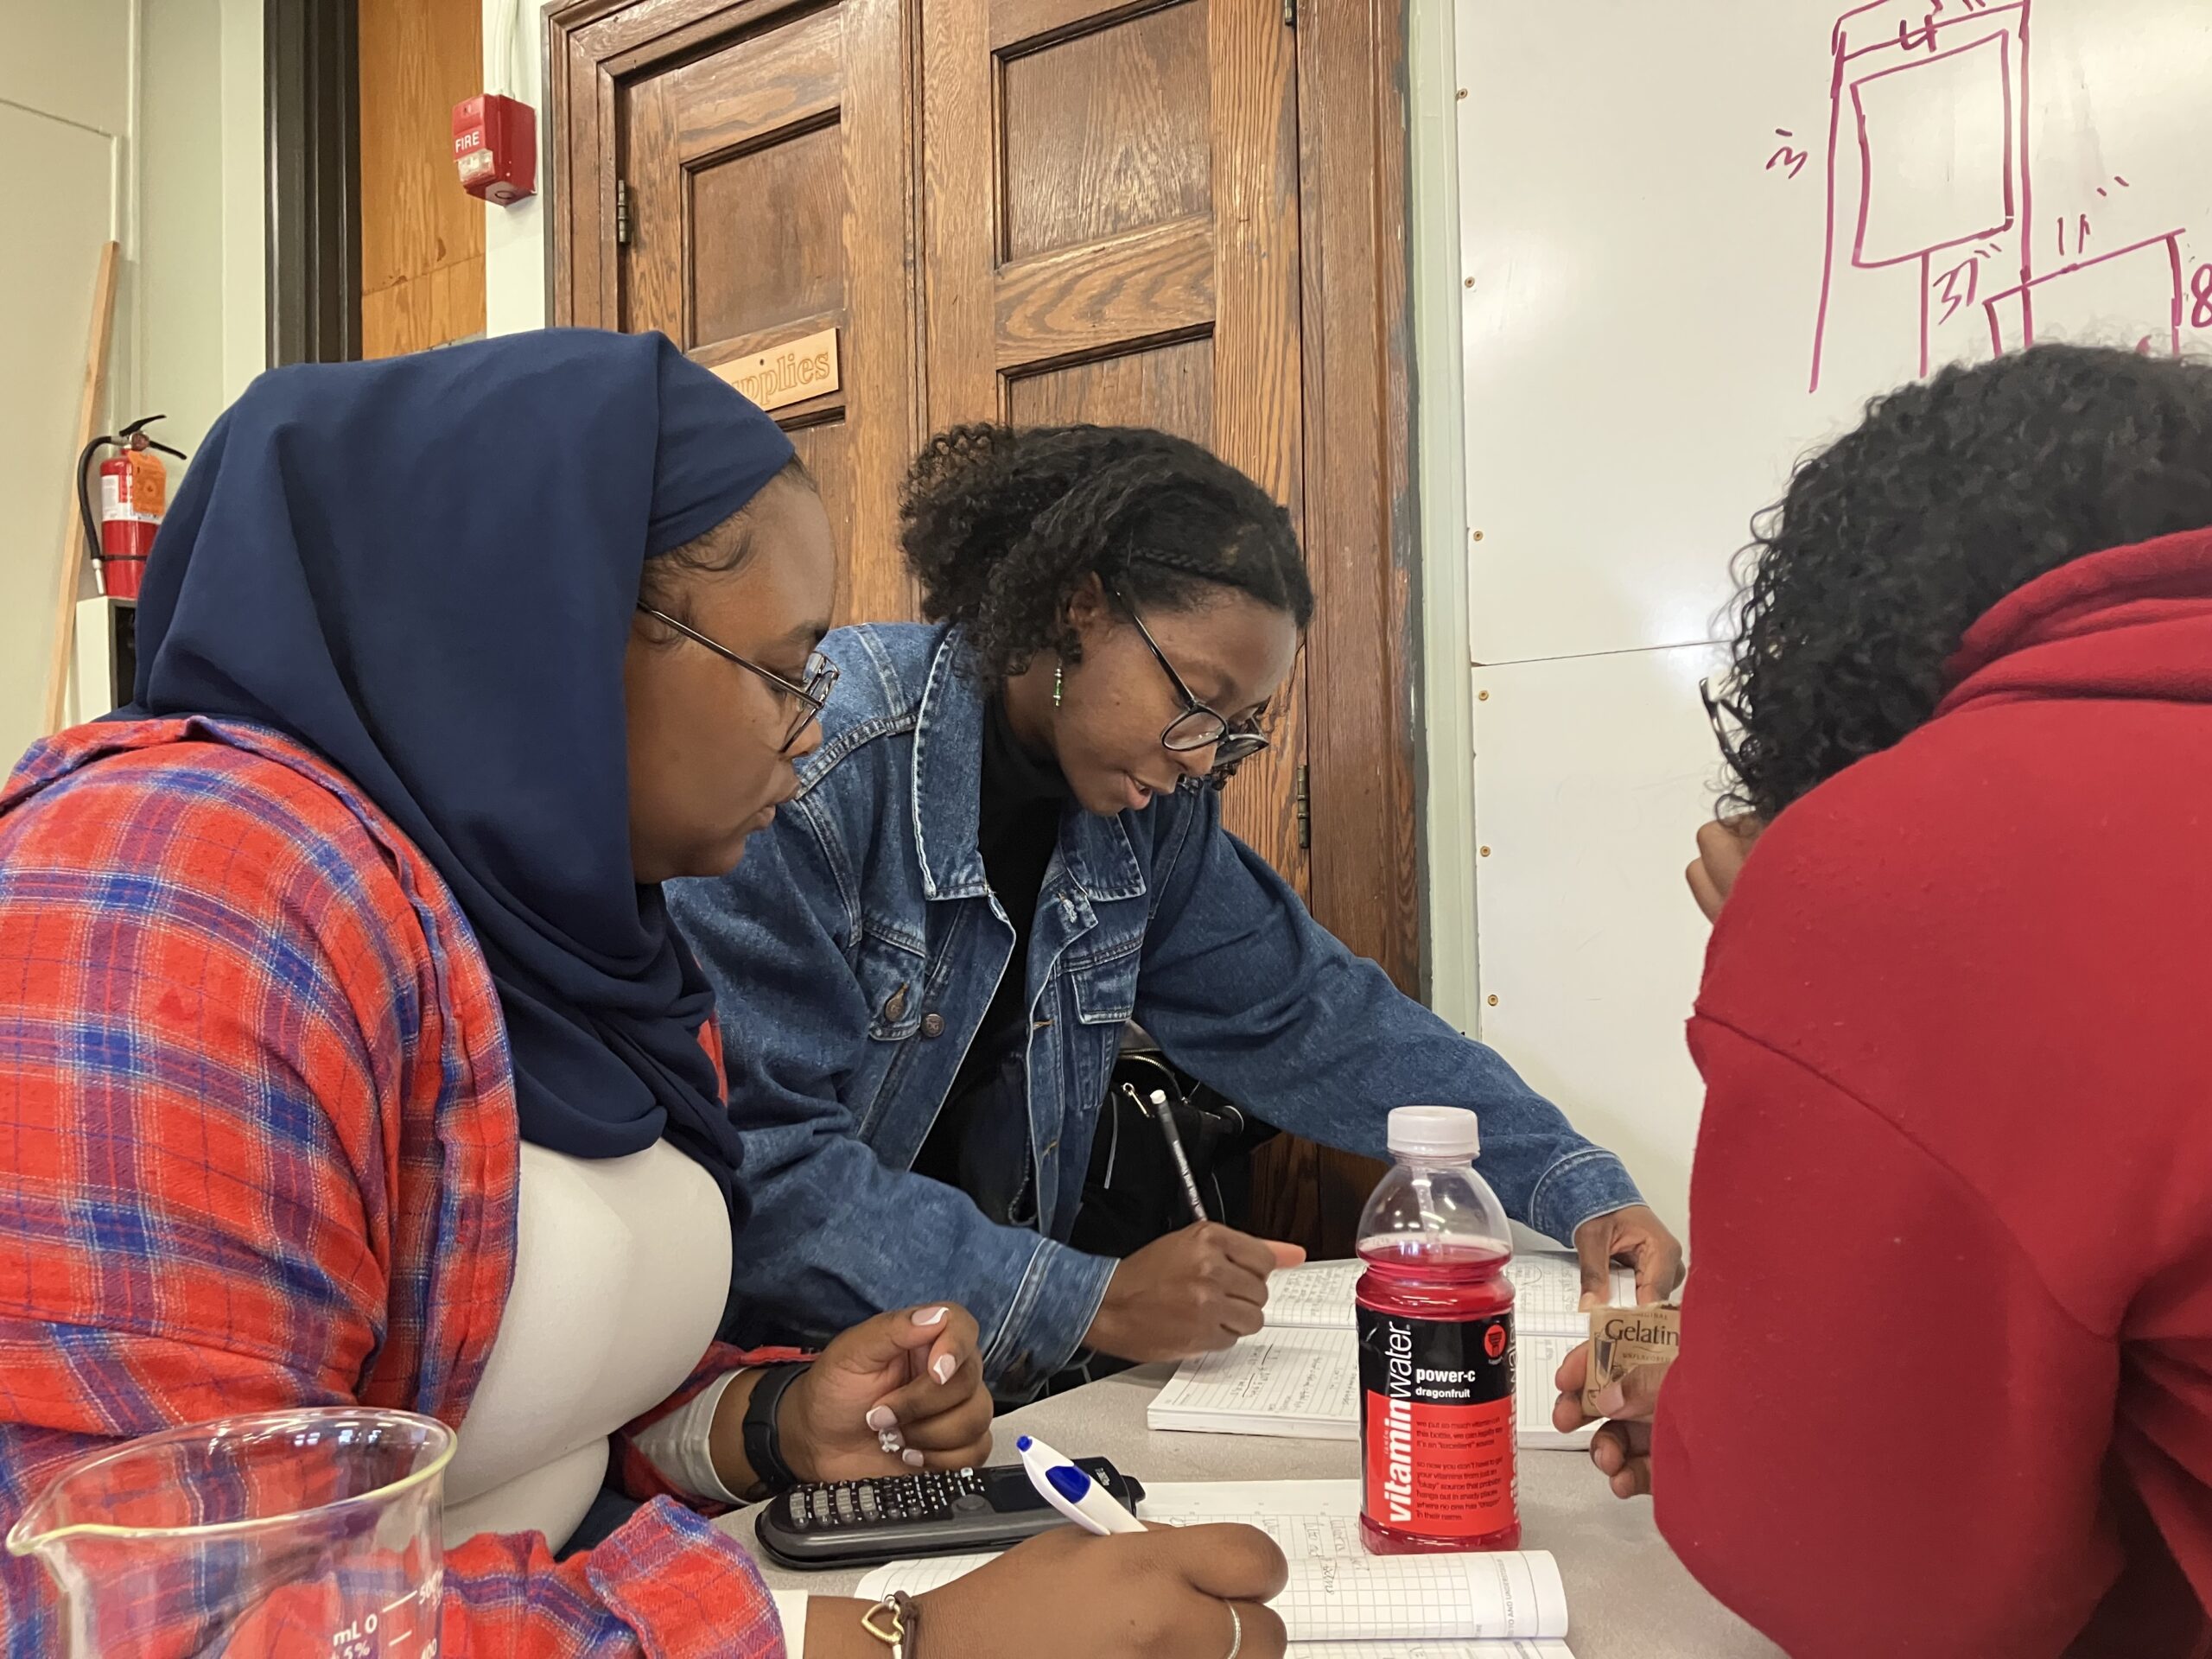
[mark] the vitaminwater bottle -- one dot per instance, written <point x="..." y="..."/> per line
<point x="1436" y="1347"/>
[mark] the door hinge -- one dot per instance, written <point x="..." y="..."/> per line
<point x="1290" y="14"/>
<point x="1303" y="804"/>
<point x="621" y="214"/>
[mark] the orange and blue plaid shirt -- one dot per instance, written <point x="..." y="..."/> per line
<point x="258" y="1149"/>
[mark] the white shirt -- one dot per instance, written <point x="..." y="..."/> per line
<point x="621" y="1272"/>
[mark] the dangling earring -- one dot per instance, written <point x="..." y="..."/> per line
<point x="1059" y="684"/>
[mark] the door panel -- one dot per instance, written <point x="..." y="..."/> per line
<point x="1169" y="386"/>
<point x="769" y="200"/>
<point x="767" y="237"/>
<point x="1111" y="131"/>
<point x="1132" y="252"/>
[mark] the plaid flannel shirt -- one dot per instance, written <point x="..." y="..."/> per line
<point x="260" y="1151"/>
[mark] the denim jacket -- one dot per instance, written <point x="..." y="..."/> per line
<point x="856" y="948"/>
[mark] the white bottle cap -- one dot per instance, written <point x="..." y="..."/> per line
<point x="1434" y="1132"/>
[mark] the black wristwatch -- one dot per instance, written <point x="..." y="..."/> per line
<point x="763" y="1444"/>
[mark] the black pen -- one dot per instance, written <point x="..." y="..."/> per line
<point x="1163" y="1114"/>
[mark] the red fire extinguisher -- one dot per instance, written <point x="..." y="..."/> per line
<point x="134" y="493"/>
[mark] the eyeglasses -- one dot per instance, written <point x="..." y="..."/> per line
<point x="821" y="675"/>
<point x="1714" y="708"/>
<point x="1199" y="727"/>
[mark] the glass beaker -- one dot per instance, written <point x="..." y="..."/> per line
<point x="313" y="1533"/>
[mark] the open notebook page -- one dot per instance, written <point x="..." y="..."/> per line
<point x="1363" y="1599"/>
<point x="1303" y="1383"/>
<point x="1337" y="1591"/>
<point x="1547" y="1292"/>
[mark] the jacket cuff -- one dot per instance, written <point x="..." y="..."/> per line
<point x="686" y="1588"/>
<point x="1586" y="1183"/>
<point x="1059" y="1297"/>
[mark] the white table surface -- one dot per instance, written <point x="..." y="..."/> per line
<point x="1628" y="1597"/>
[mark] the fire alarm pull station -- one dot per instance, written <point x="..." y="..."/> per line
<point x="495" y="147"/>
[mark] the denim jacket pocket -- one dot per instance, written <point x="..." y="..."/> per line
<point x="1105" y="981"/>
<point x="891" y="975"/>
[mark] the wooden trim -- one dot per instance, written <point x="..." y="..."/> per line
<point x="1359" y="479"/>
<point x="1024" y="26"/>
<point x="792" y="85"/>
<point x="1362" y="652"/>
<point x="959" y="165"/>
<point x="1074" y="302"/>
<point x="311" y="55"/>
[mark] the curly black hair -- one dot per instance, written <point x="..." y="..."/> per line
<point x="1950" y="494"/>
<point x="1001" y="527"/>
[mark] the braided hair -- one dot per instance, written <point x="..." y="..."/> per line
<point x="1001" y="527"/>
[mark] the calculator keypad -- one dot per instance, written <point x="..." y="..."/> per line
<point x="933" y="1496"/>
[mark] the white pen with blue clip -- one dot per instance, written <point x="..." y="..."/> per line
<point x="1073" y="1492"/>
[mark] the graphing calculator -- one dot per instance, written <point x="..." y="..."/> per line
<point x="866" y="1523"/>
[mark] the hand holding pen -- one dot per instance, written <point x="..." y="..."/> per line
<point x="1107" y="1587"/>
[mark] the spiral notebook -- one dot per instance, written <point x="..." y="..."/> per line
<point x="1298" y="1377"/>
<point x="1342" y="1603"/>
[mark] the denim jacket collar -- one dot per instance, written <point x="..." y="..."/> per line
<point x="1100" y="863"/>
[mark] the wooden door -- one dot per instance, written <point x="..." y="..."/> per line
<point x="765" y="195"/>
<point x="1126" y="252"/>
<point x="1041" y="211"/>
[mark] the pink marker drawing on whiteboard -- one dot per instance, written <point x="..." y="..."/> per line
<point x="1899" y="71"/>
<point x="1933" y="98"/>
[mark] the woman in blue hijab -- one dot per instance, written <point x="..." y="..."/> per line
<point x="349" y="1056"/>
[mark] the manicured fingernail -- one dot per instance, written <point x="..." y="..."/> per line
<point x="1612" y="1401"/>
<point x="883" y="1418"/>
<point x="944" y="1367"/>
<point x="892" y="1442"/>
<point x="911" y="1458"/>
<point x="928" y="1316"/>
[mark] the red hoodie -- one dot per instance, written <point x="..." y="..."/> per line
<point x="1946" y="1382"/>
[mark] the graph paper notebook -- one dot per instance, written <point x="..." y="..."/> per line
<point x="1341" y="1600"/>
<point x="1299" y="1378"/>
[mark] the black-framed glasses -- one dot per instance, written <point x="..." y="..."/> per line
<point x="1199" y="727"/>
<point x="1720" y="711"/>
<point x="821" y="675"/>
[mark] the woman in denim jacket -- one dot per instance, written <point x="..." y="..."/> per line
<point x="1008" y="845"/>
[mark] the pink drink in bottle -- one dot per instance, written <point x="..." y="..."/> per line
<point x="1436" y="1347"/>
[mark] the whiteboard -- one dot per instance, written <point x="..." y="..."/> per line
<point x="1698" y="235"/>
<point x="1592" y="775"/>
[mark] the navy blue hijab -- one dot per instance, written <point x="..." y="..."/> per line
<point x="424" y="570"/>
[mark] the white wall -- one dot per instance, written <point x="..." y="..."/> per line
<point x="177" y="318"/>
<point x="244" y="189"/>
<point x="65" y="108"/>
<point x="514" y="237"/>
<point x="201" y="258"/>
<point x="140" y="121"/>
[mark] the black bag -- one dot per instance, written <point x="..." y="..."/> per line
<point x="1132" y="1194"/>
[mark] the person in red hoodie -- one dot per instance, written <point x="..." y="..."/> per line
<point x="1945" y="1386"/>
